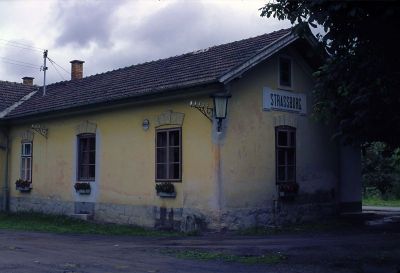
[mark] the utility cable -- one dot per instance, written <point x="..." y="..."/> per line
<point x="58" y="72"/>
<point x="17" y="61"/>
<point x="58" y="65"/>
<point x="21" y="44"/>
<point x="22" y="47"/>
<point x="24" y="65"/>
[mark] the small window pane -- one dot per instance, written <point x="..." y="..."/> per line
<point x="281" y="173"/>
<point x="161" y="139"/>
<point x="285" y="72"/>
<point x="92" y="171"/>
<point x="281" y="157"/>
<point x="290" y="157"/>
<point x="27" y="149"/>
<point x="174" y="138"/>
<point x="92" y="158"/>
<point x="174" y="171"/>
<point x="174" y="155"/>
<point x="161" y="155"/>
<point x="291" y="172"/>
<point x="293" y="139"/>
<point x="92" y="143"/>
<point x="282" y="138"/>
<point x="161" y="171"/>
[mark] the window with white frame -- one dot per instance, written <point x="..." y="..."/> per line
<point x="285" y="139"/>
<point x="86" y="157"/>
<point x="26" y="161"/>
<point x="169" y="154"/>
<point x="285" y="72"/>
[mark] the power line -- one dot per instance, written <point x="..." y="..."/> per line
<point x="21" y="44"/>
<point x="22" y="47"/>
<point x="30" y="66"/>
<point x="17" y="61"/>
<point x="58" y="65"/>
<point x="58" y="72"/>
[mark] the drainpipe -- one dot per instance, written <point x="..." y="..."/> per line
<point x="6" y="190"/>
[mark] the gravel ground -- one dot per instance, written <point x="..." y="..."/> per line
<point x="373" y="247"/>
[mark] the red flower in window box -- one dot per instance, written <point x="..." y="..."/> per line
<point x="23" y="185"/>
<point x="288" y="188"/>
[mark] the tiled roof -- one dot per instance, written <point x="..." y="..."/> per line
<point x="195" y="68"/>
<point x="11" y="92"/>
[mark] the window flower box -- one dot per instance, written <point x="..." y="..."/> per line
<point x="82" y="187"/>
<point x="288" y="190"/>
<point x="165" y="190"/>
<point x="23" y="185"/>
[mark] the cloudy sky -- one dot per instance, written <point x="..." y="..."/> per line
<point x="111" y="34"/>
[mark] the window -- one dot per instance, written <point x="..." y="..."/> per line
<point x="86" y="157"/>
<point x="169" y="155"/>
<point x="285" y="72"/>
<point x="285" y="138"/>
<point x="26" y="161"/>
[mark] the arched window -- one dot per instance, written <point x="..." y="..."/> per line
<point x="26" y="161"/>
<point x="285" y="146"/>
<point x="86" y="157"/>
<point x="168" y="154"/>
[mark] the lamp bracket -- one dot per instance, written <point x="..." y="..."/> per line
<point x="203" y="108"/>
<point x="39" y="129"/>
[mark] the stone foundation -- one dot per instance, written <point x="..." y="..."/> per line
<point x="280" y="212"/>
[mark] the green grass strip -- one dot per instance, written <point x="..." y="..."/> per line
<point x="203" y="255"/>
<point x="375" y="201"/>
<point x="62" y="224"/>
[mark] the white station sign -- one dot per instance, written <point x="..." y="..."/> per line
<point x="284" y="101"/>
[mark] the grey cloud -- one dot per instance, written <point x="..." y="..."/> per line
<point x="83" y="22"/>
<point x="17" y="62"/>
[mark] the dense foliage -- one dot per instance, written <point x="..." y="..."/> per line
<point x="381" y="170"/>
<point x="357" y="87"/>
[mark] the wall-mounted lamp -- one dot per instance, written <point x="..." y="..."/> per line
<point x="146" y="124"/>
<point x="219" y="111"/>
<point x="220" y="107"/>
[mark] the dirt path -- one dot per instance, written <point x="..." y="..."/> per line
<point x="361" y="249"/>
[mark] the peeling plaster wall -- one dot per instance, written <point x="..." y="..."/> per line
<point x="228" y="179"/>
<point x="248" y="145"/>
<point x="125" y="162"/>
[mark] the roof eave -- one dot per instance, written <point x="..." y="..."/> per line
<point x="264" y="54"/>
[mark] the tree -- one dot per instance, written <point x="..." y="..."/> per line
<point x="358" y="85"/>
<point x="379" y="168"/>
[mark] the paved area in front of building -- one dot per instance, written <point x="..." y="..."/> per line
<point x="362" y="248"/>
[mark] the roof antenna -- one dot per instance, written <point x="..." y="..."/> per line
<point x="44" y="68"/>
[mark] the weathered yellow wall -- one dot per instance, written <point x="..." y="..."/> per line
<point x="248" y="147"/>
<point x="235" y="169"/>
<point x="125" y="170"/>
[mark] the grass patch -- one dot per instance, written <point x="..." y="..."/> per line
<point x="376" y="201"/>
<point x="62" y="224"/>
<point x="321" y="226"/>
<point x="202" y="255"/>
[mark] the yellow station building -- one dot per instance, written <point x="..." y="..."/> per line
<point x="226" y="133"/>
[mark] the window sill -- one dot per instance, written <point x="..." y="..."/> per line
<point x="166" y="194"/>
<point x="84" y="192"/>
<point x="24" y="189"/>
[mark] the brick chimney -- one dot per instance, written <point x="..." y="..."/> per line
<point x="76" y="69"/>
<point x="27" y="81"/>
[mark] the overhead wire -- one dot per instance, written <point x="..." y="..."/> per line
<point x="20" y="45"/>
<point x="58" y="65"/>
<point x="17" y="61"/>
<point x="24" y="65"/>
<point x="58" y="72"/>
